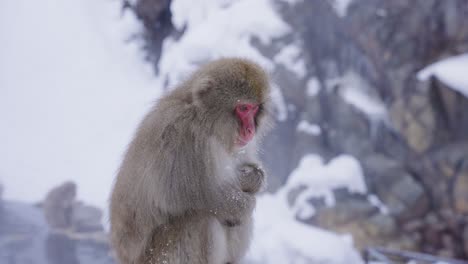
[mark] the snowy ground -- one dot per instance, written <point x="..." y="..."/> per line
<point x="72" y="91"/>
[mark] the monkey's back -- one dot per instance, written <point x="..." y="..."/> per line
<point x="142" y="186"/>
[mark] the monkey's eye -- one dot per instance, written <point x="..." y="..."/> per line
<point x="243" y="108"/>
<point x="246" y="109"/>
<point x="261" y="107"/>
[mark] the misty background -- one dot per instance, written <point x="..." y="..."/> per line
<point x="370" y="146"/>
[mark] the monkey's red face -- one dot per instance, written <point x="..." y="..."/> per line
<point x="246" y="113"/>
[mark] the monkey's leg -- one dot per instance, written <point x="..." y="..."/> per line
<point x="238" y="239"/>
<point x="185" y="240"/>
<point x="128" y="244"/>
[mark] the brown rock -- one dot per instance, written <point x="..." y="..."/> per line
<point x="465" y="240"/>
<point x="415" y="120"/>
<point x="344" y="213"/>
<point x="86" y="218"/>
<point x="460" y="195"/>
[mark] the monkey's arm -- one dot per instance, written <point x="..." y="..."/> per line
<point x="196" y="180"/>
<point x="236" y="203"/>
<point x="232" y="204"/>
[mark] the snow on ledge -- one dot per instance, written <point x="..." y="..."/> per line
<point x="341" y="7"/>
<point x="216" y="29"/>
<point x="343" y="171"/>
<point x="313" y="87"/>
<point x="290" y="57"/>
<point x="308" y="128"/>
<point x="452" y="71"/>
<point x="354" y="92"/>
<point x="279" y="103"/>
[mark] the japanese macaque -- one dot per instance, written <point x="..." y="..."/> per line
<point x="58" y="206"/>
<point x="185" y="191"/>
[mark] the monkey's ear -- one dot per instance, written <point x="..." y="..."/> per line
<point x="202" y="87"/>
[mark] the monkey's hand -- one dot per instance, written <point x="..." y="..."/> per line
<point x="251" y="177"/>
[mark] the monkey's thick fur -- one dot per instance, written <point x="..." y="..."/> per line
<point x="185" y="192"/>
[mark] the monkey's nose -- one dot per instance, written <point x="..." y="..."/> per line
<point x="248" y="132"/>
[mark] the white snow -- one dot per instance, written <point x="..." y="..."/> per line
<point x="313" y="87"/>
<point x="355" y="91"/>
<point x="280" y="238"/>
<point x="292" y="2"/>
<point x="189" y="13"/>
<point x="321" y="179"/>
<point x="280" y="105"/>
<point x="308" y="128"/>
<point x="71" y="94"/>
<point x="341" y="6"/>
<point x="452" y="71"/>
<point x="375" y="201"/>
<point x="217" y="28"/>
<point x="290" y="57"/>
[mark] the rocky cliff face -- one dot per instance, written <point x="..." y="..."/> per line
<point x="411" y="138"/>
<point x="414" y="155"/>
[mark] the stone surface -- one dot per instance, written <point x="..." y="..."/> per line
<point x="460" y="194"/>
<point x="344" y="213"/>
<point x="86" y="218"/>
<point x="465" y="239"/>
<point x="415" y="119"/>
<point x="156" y="17"/>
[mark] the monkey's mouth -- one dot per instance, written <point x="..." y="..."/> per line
<point x="246" y="134"/>
<point x="240" y="142"/>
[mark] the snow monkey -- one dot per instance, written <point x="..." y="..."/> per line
<point x="185" y="191"/>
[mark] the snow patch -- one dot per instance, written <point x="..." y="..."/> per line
<point x="188" y="13"/>
<point x="452" y="71"/>
<point x="354" y="91"/>
<point x="279" y="103"/>
<point x="375" y="201"/>
<point x="308" y="128"/>
<point x="290" y="57"/>
<point x="292" y="2"/>
<point x="216" y="29"/>
<point x="341" y="6"/>
<point x="321" y="179"/>
<point x="280" y="238"/>
<point x="313" y="87"/>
